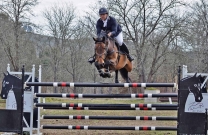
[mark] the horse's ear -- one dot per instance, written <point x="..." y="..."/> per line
<point x="95" y="39"/>
<point x="200" y="76"/>
<point x="195" y="74"/>
<point x="8" y="72"/>
<point x="4" y="74"/>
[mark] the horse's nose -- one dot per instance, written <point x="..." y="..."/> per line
<point x="101" y="64"/>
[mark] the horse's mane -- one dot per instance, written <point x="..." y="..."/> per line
<point x="17" y="77"/>
<point x="104" y="38"/>
<point x="186" y="78"/>
<point x="191" y="77"/>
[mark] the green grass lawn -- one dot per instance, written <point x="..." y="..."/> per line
<point x="2" y="103"/>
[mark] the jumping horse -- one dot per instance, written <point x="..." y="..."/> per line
<point x="109" y="58"/>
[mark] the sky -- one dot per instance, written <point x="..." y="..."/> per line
<point x="80" y="5"/>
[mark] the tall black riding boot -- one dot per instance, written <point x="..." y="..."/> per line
<point x="126" y="50"/>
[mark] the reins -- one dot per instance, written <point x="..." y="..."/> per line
<point x="107" y="51"/>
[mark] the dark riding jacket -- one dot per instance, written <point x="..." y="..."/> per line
<point x="112" y="26"/>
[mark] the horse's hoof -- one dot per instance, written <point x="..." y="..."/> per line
<point x="108" y="75"/>
<point x="128" y="81"/>
<point x="111" y="75"/>
<point x="101" y="74"/>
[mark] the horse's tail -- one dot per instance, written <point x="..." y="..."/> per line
<point x="124" y="74"/>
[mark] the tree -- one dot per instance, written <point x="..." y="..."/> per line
<point x="76" y="63"/>
<point x="16" y="10"/>
<point x="60" y="26"/>
<point x="196" y="36"/>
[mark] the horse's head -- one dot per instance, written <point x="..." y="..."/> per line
<point x="195" y="87"/>
<point x="101" y="49"/>
<point x="8" y="83"/>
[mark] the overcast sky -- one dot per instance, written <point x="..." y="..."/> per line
<point x="80" y="5"/>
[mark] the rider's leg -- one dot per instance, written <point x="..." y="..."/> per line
<point x="123" y="47"/>
<point x="126" y="50"/>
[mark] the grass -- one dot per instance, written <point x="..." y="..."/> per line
<point x="2" y="103"/>
<point x="151" y="88"/>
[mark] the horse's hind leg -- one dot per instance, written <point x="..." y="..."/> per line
<point x="116" y="76"/>
<point x="124" y="74"/>
<point x="128" y="80"/>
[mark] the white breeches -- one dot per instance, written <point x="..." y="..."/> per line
<point x="119" y="38"/>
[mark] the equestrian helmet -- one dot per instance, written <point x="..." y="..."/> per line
<point x="103" y="11"/>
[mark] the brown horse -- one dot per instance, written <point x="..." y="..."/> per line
<point x="108" y="58"/>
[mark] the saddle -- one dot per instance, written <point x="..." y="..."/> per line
<point x="119" y="50"/>
<point x="104" y="34"/>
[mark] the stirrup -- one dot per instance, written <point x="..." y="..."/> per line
<point x="91" y="59"/>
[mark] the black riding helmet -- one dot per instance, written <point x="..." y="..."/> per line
<point x="103" y="11"/>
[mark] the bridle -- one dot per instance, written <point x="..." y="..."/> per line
<point x="105" y="51"/>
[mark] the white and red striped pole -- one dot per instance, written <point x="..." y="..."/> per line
<point x="72" y="95"/>
<point x="71" y="84"/>
<point x="71" y="127"/>
<point x="81" y="117"/>
<point x="102" y="105"/>
<point x="113" y="108"/>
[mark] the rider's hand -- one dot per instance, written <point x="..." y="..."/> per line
<point x="109" y="34"/>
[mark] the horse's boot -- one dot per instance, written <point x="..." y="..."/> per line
<point x="126" y="50"/>
<point x="91" y="59"/>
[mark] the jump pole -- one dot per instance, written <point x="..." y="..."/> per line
<point x="79" y="117"/>
<point x="105" y="95"/>
<point x="113" y="108"/>
<point x="22" y="101"/>
<point x="70" y="127"/>
<point x="102" y="105"/>
<point x="71" y="84"/>
<point x="179" y="91"/>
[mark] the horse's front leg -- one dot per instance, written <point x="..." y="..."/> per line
<point x="107" y="71"/>
<point x="99" y="69"/>
<point x="116" y="76"/>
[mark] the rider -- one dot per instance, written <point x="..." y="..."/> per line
<point x="108" y="23"/>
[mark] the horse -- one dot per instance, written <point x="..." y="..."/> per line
<point x="188" y="120"/>
<point x="109" y="58"/>
<point x="10" y="82"/>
